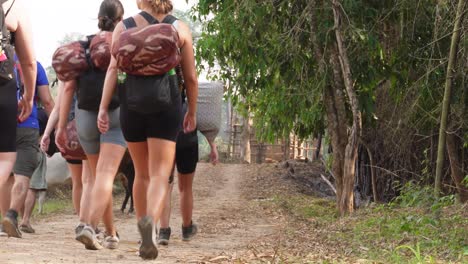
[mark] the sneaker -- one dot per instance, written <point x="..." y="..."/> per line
<point x="27" y="229"/>
<point x="189" y="232"/>
<point x="87" y="236"/>
<point x="164" y="235"/>
<point x="148" y="249"/>
<point x="10" y="224"/>
<point x="100" y="235"/>
<point x="79" y="228"/>
<point x="2" y="233"/>
<point x="111" y="242"/>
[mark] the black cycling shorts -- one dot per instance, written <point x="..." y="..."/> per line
<point x="8" y="115"/>
<point x="187" y="152"/>
<point x="138" y="127"/>
<point x="74" y="162"/>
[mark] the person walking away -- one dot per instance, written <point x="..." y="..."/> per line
<point x="103" y="150"/>
<point x="151" y="123"/>
<point x="15" y="30"/>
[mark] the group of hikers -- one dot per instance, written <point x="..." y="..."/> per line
<point x="132" y="87"/>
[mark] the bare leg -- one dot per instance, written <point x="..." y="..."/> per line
<point x="19" y="192"/>
<point x="161" y="154"/>
<point x="109" y="160"/>
<point x="87" y="180"/>
<point x="186" y="198"/>
<point x="166" y="214"/>
<point x="77" y="186"/>
<point x="7" y="160"/>
<point x="28" y="207"/>
<point x="108" y="218"/>
<point x="139" y="153"/>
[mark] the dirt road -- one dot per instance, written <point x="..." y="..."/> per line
<point x="227" y="228"/>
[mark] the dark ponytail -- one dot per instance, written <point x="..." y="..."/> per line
<point x="110" y="13"/>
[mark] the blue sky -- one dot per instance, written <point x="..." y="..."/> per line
<point x="53" y="19"/>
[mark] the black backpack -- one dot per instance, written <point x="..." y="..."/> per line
<point x="91" y="84"/>
<point x="150" y="94"/>
<point x="7" y="53"/>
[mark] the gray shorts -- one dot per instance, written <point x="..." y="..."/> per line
<point x="38" y="179"/>
<point x="27" y="149"/>
<point x="88" y="132"/>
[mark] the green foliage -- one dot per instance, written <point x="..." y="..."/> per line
<point x="418" y="258"/>
<point x="416" y="195"/>
<point x="263" y="49"/>
<point x="407" y="231"/>
<point x="275" y="56"/>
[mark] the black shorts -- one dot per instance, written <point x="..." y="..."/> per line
<point x="74" y="162"/>
<point x="138" y="127"/>
<point x="187" y="152"/>
<point x="8" y="115"/>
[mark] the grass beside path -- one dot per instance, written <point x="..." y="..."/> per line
<point x="393" y="233"/>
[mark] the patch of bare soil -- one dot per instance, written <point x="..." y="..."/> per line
<point x="235" y="210"/>
<point x="227" y="227"/>
<point x="296" y="240"/>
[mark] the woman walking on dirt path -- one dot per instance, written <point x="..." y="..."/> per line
<point x="15" y="33"/>
<point x="79" y="169"/>
<point x="103" y="150"/>
<point x="152" y="137"/>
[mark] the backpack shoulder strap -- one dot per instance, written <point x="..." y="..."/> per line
<point x="9" y="9"/>
<point x="149" y="18"/>
<point x="169" y="19"/>
<point x="129" y="23"/>
<point x="86" y="44"/>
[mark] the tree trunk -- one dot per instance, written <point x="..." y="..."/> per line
<point x="373" y="173"/>
<point x="229" y="125"/>
<point x="319" y="147"/>
<point x="447" y="96"/>
<point x="456" y="167"/>
<point x="260" y="153"/>
<point x="287" y="150"/>
<point x="245" y="150"/>
<point x="347" y="195"/>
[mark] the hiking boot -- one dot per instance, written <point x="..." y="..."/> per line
<point x="27" y="229"/>
<point x="148" y="248"/>
<point x="111" y="242"/>
<point x="10" y="224"/>
<point x="164" y="235"/>
<point x="87" y="237"/>
<point x="189" y="232"/>
<point x="2" y="233"/>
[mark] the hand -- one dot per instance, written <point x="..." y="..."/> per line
<point x="214" y="157"/>
<point x="45" y="142"/>
<point x="26" y="106"/>
<point x="190" y="122"/>
<point x="61" y="139"/>
<point x="103" y="121"/>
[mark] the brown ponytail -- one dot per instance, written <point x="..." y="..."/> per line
<point x="110" y="12"/>
<point x="161" y="6"/>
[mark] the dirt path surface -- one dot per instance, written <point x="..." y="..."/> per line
<point x="228" y="226"/>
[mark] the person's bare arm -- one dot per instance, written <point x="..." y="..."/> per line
<point x="65" y="102"/>
<point x="110" y="84"/>
<point x="53" y="120"/>
<point x="111" y="76"/>
<point x="214" y="156"/>
<point x="18" y="21"/>
<point x="46" y="98"/>
<point x="189" y="72"/>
